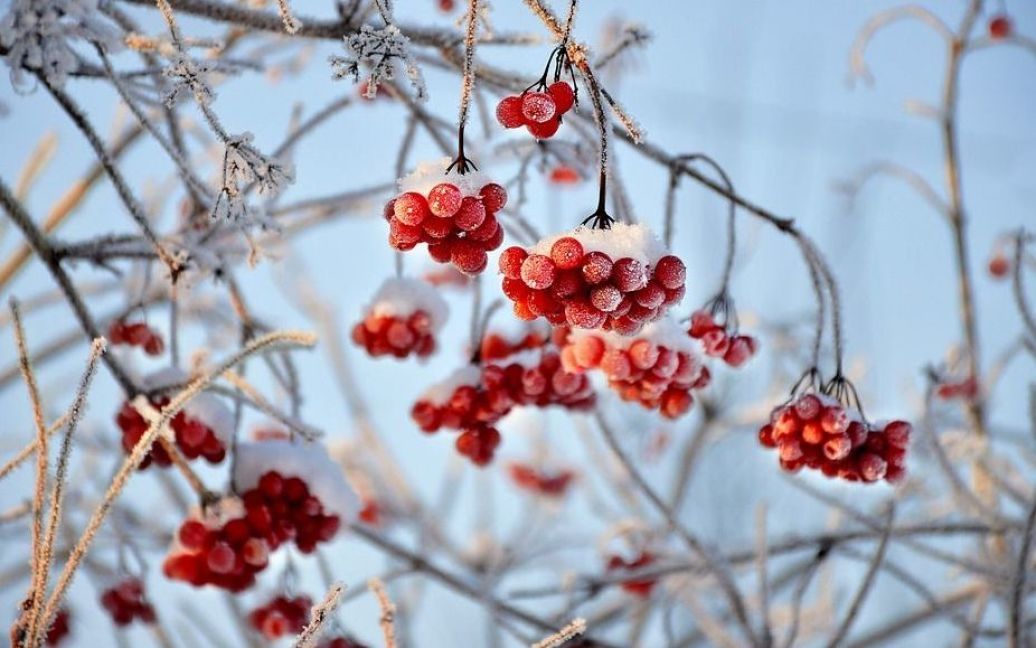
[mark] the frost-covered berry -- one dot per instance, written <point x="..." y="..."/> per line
<point x="538" y="107"/>
<point x="444" y="199"/>
<point x="544" y="130"/>
<point x="563" y="95"/>
<point x="567" y="253"/>
<point x="509" y="112"/>
<point x="538" y="271"/>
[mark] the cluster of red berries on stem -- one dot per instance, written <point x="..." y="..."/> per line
<point x="548" y="484"/>
<point x="125" y="601"/>
<point x="137" y="334"/>
<point x="496" y="346"/>
<point x="821" y="431"/>
<point x="537" y="377"/>
<point x="639" y="586"/>
<point x="573" y="280"/>
<point x="229" y="548"/>
<point x="455" y="217"/>
<point x="656" y="368"/>
<point x="401" y="320"/>
<point x="281" y="616"/>
<point x="541" y="106"/>
<point x="715" y="326"/>
<point x="200" y="430"/>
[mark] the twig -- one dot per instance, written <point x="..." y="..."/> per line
<point x="320" y="615"/>
<point x="388" y="612"/>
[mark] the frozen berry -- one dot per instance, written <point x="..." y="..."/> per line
<point x="538" y="107"/>
<point x="509" y="112"/>
<point x="444" y="199"/>
<point x="563" y="95"/>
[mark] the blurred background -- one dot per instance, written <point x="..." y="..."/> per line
<point x="760" y="86"/>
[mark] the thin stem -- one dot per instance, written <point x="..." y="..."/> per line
<point x="1016" y="618"/>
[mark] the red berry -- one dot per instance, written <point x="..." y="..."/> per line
<point x="650" y="296"/>
<point x="494" y="197"/>
<point x="563" y="95"/>
<point x="701" y="323"/>
<point x="605" y="298"/>
<point x="546" y="130"/>
<point x="584" y="315"/>
<point x="564" y="175"/>
<point x="509" y="112"/>
<point x="808" y="407"/>
<point x="220" y="558"/>
<point x="444" y="200"/>
<point x="567" y="253"/>
<point x="597" y="267"/>
<point x="437" y="228"/>
<point x="1000" y="27"/>
<point x="538" y="271"/>
<point x="511" y="262"/>
<point x="411" y="208"/>
<point x="468" y="257"/>
<point x="715" y="343"/>
<point x="538" y="107"/>
<point x="629" y="275"/>
<point x="741" y="349"/>
<point x="470" y="215"/>
<point x="999" y="266"/>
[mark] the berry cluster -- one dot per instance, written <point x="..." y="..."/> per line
<point x="281" y="616"/>
<point x="637" y="587"/>
<point x="453" y="213"/>
<point x="536" y="377"/>
<point x="462" y="402"/>
<point x="202" y="429"/>
<point x="401" y="320"/>
<point x="616" y="279"/>
<point x="229" y="543"/>
<point x="540" y="111"/>
<point x="656" y="368"/>
<point x="816" y="431"/>
<point x="721" y="340"/>
<point x="125" y="601"/>
<point x="528" y="477"/>
<point x="496" y="346"/>
<point x="138" y="334"/>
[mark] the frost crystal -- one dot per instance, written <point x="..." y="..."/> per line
<point x="36" y="33"/>
<point x="188" y="80"/>
<point x="243" y="165"/>
<point x="381" y="52"/>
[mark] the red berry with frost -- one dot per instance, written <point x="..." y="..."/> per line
<point x="444" y="199"/>
<point x="494" y="197"/>
<point x="629" y="275"/>
<point x="411" y="208"/>
<point x="509" y="112"/>
<point x="544" y="130"/>
<point x="538" y="107"/>
<point x="470" y="215"/>
<point x="597" y="267"/>
<point x="701" y="323"/>
<point x="605" y="298"/>
<point x="583" y="314"/>
<point x="715" y="343"/>
<point x="671" y="272"/>
<point x="538" y="271"/>
<point x="567" y="253"/>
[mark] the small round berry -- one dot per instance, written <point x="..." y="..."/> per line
<point x="597" y="267"/>
<point x="616" y="364"/>
<point x="583" y="315"/>
<point x="538" y="107"/>
<point x="494" y="197"/>
<point x="220" y="558"/>
<point x="488" y="232"/>
<point x="605" y="298"/>
<point x="999" y="266"/>
<point x="444" y="200"/>
<point x="546" y="130"/>
<point x="538" y="271"/>
<point x="566" y="284"/>
<point x="468" y="257"/>
<point x="715" y="343"/>
<point x="834" y="420"/>
<point x="629" y="275"/>
<point x="509" y="112"/>
<point x="411" y="208"/>
<point x="437" y="228"/>
<point x="1000" y="27"/>
<point x="511" y="262"/>
<point x="701" y="323"/>
<point x="564" y="175"/>
<point x="470" y="215"/>
<point x="872" y="467"/>
<point x="563" y="95"/>
<point x="567" y="253"/>
<point x="808" y="407"/>
<point x="403" y="237"/>
<point x="650" y="296"/>
<point x="671" y="272"/>
<point x="588" y="351"/>
<point x="766" y="436"/>
<point x="675" y="403"/>
<point x="898" y="433"/>
<point x="643" y="354"/>
<point x="441" y="251"/>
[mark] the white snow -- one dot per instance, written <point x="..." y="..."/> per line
<point x="428" y="174"/>
<point x="401" y="297"/>
<point x="440" y="392"/>
<point x="308" y="461"/>
<point x="214" y="413"/>
<point x="622" y="240"/>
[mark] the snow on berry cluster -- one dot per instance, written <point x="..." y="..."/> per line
<point x="657" y="367"/>
<point x="125" y="601"/>
<point x="720" y="341"/>
<point x="290" y="492"/>
<point x="539" y="111"/>
<point x="640" y="587"/>
<point x="547" y="484"/>
<point x="616" y="279"/>
<point x="816" y="431"/>
<point x="281" y="616"/>
<point x="137" y="334"/>
<point x="203" y="428"/>
<point x="402" y="319"/>
<point x="453" y="213"/>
